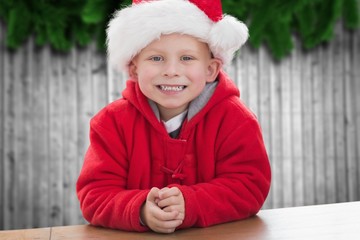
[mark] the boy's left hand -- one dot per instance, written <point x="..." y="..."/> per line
<point x="171" y="199"/>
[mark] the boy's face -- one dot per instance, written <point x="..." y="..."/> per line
<point x="173" y="70"/>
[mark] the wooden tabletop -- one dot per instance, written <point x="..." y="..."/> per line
<point x="330" y="221"/>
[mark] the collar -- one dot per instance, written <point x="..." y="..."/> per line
<point x="175" y="122"/>
<point x="195" y="105"/>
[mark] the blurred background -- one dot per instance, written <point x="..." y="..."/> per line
<point x="299" y="73"/>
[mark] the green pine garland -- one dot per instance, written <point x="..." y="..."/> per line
<point x="64" y="24"/>
<point x="274" y="22"/>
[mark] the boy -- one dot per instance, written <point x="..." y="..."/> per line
<point x="179" y="149"/>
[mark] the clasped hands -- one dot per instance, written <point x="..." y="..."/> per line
<point x="164" y="209"/>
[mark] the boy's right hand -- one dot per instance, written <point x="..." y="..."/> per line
<point x="156" y="218"/>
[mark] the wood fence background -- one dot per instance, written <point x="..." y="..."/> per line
<point x="308" y="106"/>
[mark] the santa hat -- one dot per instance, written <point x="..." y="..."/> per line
<point x="134" y="27"/>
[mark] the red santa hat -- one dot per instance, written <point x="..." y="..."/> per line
<point x="134" y="27"/>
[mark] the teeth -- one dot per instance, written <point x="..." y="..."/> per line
<point x="171" y="88"/>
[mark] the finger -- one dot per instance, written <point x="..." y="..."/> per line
<point x="168" y="192"/>
<point x="153" y="194"/>
<point x="168" y="226"/>
<point x="181" y="213"/>
<point x="174" y="200"/>
<point x="161" y="215"/>
<point x="164" y="189"/>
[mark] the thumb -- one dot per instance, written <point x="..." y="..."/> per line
<point x="153" y="194"/>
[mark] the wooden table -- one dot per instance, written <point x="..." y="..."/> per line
<point x="331" y="221"/>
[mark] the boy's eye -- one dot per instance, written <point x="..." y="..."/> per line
<point x="186" y="58"/>
<point x="156" y="58"/>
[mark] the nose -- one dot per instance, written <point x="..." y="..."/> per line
<point x="171" y="69"/>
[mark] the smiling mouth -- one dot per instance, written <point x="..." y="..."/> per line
<point x="168" y="88"/>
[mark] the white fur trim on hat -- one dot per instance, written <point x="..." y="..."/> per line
<point x="133" y="28"/>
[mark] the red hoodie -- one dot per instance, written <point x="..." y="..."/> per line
<point x="219" y="161"/>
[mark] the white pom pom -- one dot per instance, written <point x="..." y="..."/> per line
<point x="226" y="37"/>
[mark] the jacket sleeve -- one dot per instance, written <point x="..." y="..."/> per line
<point x="241" y="184"/>
<point x="101" y="186"/>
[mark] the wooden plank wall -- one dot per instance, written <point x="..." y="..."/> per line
<point x="308" y="106"/>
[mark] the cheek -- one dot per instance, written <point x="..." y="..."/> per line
<point x="146" y="79"/>
<point x="197" y="74"/>
<point x="146" y="72"/>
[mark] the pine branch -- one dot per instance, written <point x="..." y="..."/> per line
<point x="64" y="24"/>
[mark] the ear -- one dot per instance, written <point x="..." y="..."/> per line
<point x="132" y="68"/>
<point x="213" y="69"/>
